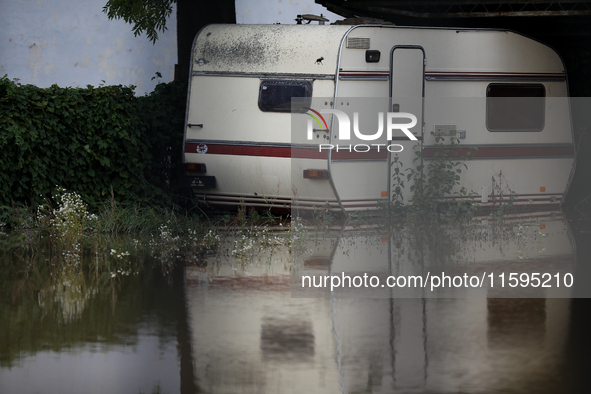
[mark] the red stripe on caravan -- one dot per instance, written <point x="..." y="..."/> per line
<point x="241" y="150"/>
<point x="483" y="152"/>
<point x="495" y="75"/>
<point x="287" y="152"/>
<point x="497" y="152"/>
<point x="461" y="75"/>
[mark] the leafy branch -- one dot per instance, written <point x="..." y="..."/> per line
<point x="146" y="16"/>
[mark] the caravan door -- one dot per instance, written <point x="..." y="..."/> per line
<point x="407" y="95"/>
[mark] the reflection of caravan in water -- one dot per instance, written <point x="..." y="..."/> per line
<point x="244" y="146"/>
<point x="254" y="332"/>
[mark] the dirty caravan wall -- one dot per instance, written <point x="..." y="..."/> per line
<point x="73" y="43"/>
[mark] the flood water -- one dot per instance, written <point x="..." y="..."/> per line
<point x="231" y="322"/>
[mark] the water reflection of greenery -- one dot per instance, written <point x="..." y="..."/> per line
<point x="47" y="303"/>
<point x="69" y="286"/>
<point x="444" y="243"/>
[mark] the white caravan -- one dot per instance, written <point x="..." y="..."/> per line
<point x="244" y="145"/>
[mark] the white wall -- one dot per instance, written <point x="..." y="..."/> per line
<point x="73" y="43"/>
<point x="282" y="11"/>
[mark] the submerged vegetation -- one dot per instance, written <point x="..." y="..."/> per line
<point x="113" y="236"/>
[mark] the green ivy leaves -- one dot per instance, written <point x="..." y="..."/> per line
<point x="88" y="140"/>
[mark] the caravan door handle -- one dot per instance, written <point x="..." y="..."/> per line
<point x="195" y="125"/>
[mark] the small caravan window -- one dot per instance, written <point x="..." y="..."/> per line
<point x="515" y="107"/>
<point x="275" y="95"/>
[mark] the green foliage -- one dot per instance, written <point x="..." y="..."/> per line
<point x="438" y="179"/>
<point x="89" y="140"/>
<point x="114" y="219"/>
<point x="431" y="183"/>
<point x="82" y="139"/>
<point x="145" y="16"/>
<point x="503" y="196"/>
<point x="397" y="183"/>
<point x="262" y="217"/>
<point x="16" y="217"/>
<point x="163" y="113"/>
<point x="324" y="218"/>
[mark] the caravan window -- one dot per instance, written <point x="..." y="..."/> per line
<point x="275" y="95"/>
<point x="515" y="107"/>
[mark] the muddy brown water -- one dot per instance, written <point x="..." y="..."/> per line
<point x="231" y="323"/>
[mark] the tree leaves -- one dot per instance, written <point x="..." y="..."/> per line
<point x="147" y="16"/>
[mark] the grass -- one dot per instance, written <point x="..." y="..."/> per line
<point x="107" y="236"/>
<point x="111" y="218"/>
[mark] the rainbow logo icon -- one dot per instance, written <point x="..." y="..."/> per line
<point x="317" y="117"/>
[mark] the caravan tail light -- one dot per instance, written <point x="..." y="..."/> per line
<point x="315" y="174"/>
<point x="195" y="167"/>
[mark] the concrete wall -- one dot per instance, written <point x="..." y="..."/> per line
<point x="73" y="43"/>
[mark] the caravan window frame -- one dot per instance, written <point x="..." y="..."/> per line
<point x="267" y="104"/>
<point x="497" y="109"/>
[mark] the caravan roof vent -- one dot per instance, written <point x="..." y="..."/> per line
<point x="357" y="43"/>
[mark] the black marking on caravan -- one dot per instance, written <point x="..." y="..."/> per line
<point x="252" y="50"/>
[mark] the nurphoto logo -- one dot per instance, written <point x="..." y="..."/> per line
<point x="391" y="120"/>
